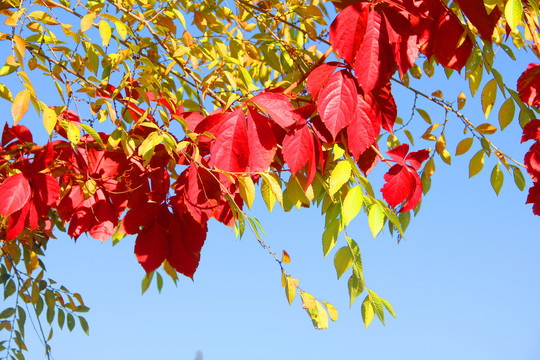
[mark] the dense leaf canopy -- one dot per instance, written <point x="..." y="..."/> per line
<point x="159" y="116"/>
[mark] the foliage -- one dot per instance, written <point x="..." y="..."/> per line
<point x="174" y="113"/>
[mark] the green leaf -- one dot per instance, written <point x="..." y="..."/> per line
<point x="497" y="179"/>
<point x="94" y="134"/>
<point x="343" y="260"/>
<point x="84" y="325"/>
<point x="513" y="11"/>
<point x="475" y="78"/>
<point x="9" y="289"/>
<point x="367" y="311"/>
<point x="61" y="318"/>
<point x="146" y="281"/>
<point x="356" y="287"/>
<point x="159" y="282"/>
<point x="70" y="322"/>
<point x="424" y="115"/>
<point x="352" y="204"/>
<point x="376" y="219"/>
<point x="377" y="305"/>
<point x="50" y="314"/>
<point x="476" y="164"/>
<point x="330" y="236"/>
<point x="489" y="95"/>
<point x="519" y="179"/>
<point x="507" y="112"/>
<point x="7" y="313"/>
<point x="357" y="259"/>
<point x="340" y="176"/>
<point x="388" y="307"/>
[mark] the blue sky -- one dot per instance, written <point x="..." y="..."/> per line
<point x="463" y="282"/>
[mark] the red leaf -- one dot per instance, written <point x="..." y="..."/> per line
<point x="399" y="153"/>
<point x="337" y="102"/>
<point x="262" y="142"/>
<point x="363" y="129"/>
<point x="192" y="119"/>
<point x="532" y="161"/>
<point x="187" y="237"/>
<point x="20" y="132"/>
<point x="105" y="222"/>
<point x="368" y="159"/>
<point x="298" y="148"/>
<point x="320" y="130"/>
<point x="446" y="41"/>
<point x="348" y="29"/>
<point x="14" y="194"/>
<point x="230" y="150"/>
<point x="152" y="246"/>
<point x="278" y="107"/>
<point x="415" y="196"/>
<point x="403" y="41"/>
<point x="319" y="76"/>
<point x="399" y="186"/>
<point x="415" y="159"/>
<point x="477" y="14"/>
<point x="367" y="67"/>
<point x="46" y="192"/>
<point x="384" y="106"/>
<point x="534" y="198"/>
<point x="528" y="85"/>
<point x="18" y="222"/>
<point x="531" y="131"/>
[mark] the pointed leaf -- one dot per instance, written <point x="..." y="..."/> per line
<point x="340" y="176"/>
<point x="14" y="194"/>
<point x="337" y="102"/>
<point x="497" y="179"/>
<point x="352" y="204"/>
<point x="20" y="105"/>
<point x="376" y="219"/>
<point x="464" y="146"/>
<point x="343" y="260"/>
<point x="477" y="163"/>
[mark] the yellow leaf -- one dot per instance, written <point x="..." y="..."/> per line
<point x="285" y="257"/>
<point x="438" y="94"/>
<point x="464" y="146"/>
<point x="247" y="190"/>
<point x="87" y="21"/>
<point x="19" y="44"/>
<point x="506" y="113"/>
<point x="49" y="120"/>
<point x="476" y="164"/>
<point x="462" y="99"/>
<point x="332" y="311"/>
<point x="489" y="95"/>
<point x="486" y="129"/>
<point x="20" y="105"/>
<point x="105" y="32"/>
<point x="340" y="175"/>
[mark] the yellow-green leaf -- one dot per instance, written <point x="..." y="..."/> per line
<point x="268" y="195"/>
<point x="429" y="169"/>
<point x="376" y="219"/>
<point x="343" y="260"/>
<point x="464" y="146"/>
<point x="5" y="93"/>
<point x="507" y="112"/>
<point x="489" y="95"/>
<point x="477" y="163"/>
<point x="519" y="179"/>
<point x="49" y="119"/>
<point x="290" y="288"/>
<point x="497" y="179"/>
<point x="445" y="156"/>
<point x="367" y="311"/>
<point x="94" y="134"/>
<point x="486" y="129"/>
<point x="424" y="115"/>
<point x="105" y="32"/>
<point x="513" y="11"/>
<point x="20" y="105"/>
<point x="274" y="186"/>
<point x="352" y="204"/>
<point x="247" y="190"/>
<point x="340" y="176"/>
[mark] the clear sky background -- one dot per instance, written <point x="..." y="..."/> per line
<point x="463" y="283"/>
